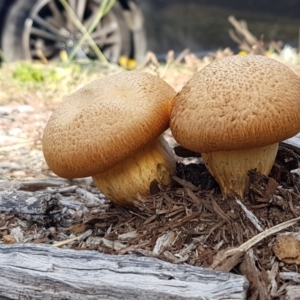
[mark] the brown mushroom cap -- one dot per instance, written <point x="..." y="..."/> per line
<point x="106" y="121"/>
<point x="238" y="102"/>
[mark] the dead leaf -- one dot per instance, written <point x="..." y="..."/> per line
<point x="287" y="249"/>
<point x="8" y="239"/>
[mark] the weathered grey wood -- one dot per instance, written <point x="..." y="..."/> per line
<point x="37" y="202"/>
<point x="43" y="183"/>
<point x="29" y="271"/>
<point x="249" y="268"/>
<point x="292" y="292"/>
<point x="295" y="277"/>
<point x="14" y="201"/>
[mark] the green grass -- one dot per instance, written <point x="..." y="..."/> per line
<point x="48" y="82"/>
<point x="104" y="8"/>
<point x="26" y="72"/>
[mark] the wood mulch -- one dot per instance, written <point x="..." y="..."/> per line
<point x="189" y="223"/>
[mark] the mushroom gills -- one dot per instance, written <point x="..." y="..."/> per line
<point x="230" y="168"/>
<point x="132" y="178"/>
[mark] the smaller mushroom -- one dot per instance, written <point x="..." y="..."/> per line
<point x="111" y="130"/>
<point x="234" y="112"/>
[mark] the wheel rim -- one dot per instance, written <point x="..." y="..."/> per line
<point x="49" y="29"/>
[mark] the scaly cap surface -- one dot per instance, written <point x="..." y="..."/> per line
<point x="106" y="121"/>
<point x="236" y="103"/>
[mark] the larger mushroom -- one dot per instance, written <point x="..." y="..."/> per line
<point x="234" y="112"/>
<point x="111" y="130"/>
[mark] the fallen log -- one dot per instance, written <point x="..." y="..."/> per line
<point x="26" y="202"/>
<point x="30" y="271"/>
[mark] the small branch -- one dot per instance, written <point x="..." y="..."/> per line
<point x="76" y="238"/>
<point x="220" y="260"/>
<point x="85" y="33"/>
<point x="182" y="55"/>
<point x="244" y="38"/>
<point x="253" y="219"/>
<point x="256" y="239"/>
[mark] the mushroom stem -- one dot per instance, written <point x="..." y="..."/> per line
<point x="132" y="177"/>
<point x="230" y="168"/>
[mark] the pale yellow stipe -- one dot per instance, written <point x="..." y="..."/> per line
<point x="230" y="168"/>
<point x="132" y="177"/>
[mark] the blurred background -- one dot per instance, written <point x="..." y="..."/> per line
<point x="202" y="25"/>
<point x="43" y="29"/>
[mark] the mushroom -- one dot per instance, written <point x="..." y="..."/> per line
<point x="234" y="112"/>
<point x="111" y="130"/>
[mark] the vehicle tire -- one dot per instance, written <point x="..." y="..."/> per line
<point x="34" y="28"/>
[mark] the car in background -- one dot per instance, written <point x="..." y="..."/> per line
<point x="42" y="29"/>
